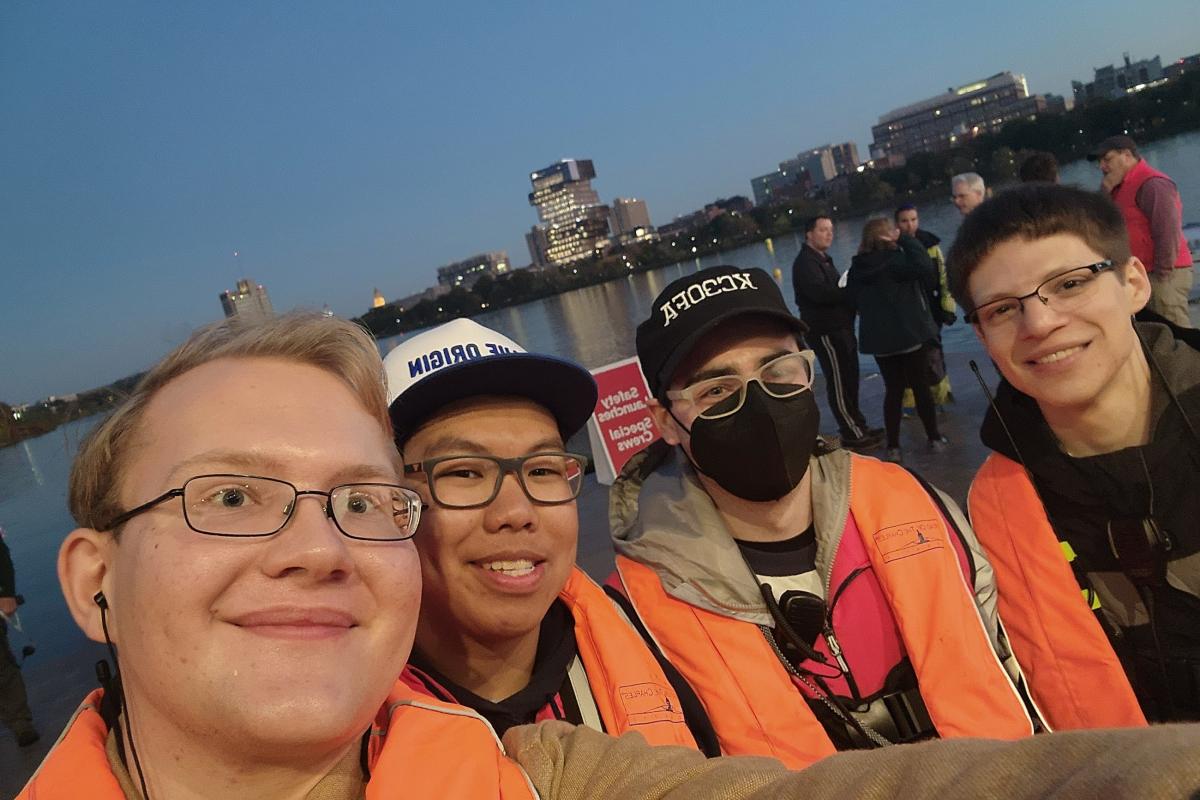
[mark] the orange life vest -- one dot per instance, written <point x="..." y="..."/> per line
<point x="1074" y="676"/>
<point x="624" y="679"/>
<point x="408" y="756"/>
<point x="1141" y="242"/>
<point x="755" y="707"/>
<point x="627" y="683"/>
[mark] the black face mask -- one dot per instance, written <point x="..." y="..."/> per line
<point x="761" y="452"/>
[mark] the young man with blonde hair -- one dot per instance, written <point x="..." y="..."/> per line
<point x="245" y="549"/>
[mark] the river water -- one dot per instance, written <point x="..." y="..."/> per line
<point x="594" y="326"/>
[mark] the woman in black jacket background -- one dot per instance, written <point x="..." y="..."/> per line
<point x="889" y="280"/>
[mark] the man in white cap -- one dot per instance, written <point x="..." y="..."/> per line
<point x="509" y="626"/>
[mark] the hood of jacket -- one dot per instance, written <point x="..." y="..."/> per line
<point x="660" y="515"/>
<point x="870" y="267"/>
<point x="927" y="239"/>
<point x="1175" y="352"/>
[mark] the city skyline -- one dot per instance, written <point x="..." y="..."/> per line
<point x="146" y="144"/>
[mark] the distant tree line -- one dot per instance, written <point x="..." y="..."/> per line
<point x="45" y="416"/>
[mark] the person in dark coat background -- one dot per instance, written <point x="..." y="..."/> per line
<point x="828" y="311"/>
<point x="14" y="705"/>
<point x="889" y="280"/>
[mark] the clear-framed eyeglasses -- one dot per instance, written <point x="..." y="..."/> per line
<point x="474" y="481"/>
<point x="1063" y="291"/>
<point x="251" y="505"/>
<point x="782" y="377"/>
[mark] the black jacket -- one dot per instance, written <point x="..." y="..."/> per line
<point x="1160" y="479"/>
<point x="890" y="288"/>
<point x="824" y="306"/>
<point x="8" y="578"/>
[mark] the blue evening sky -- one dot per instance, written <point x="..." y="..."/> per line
<point x="340" y="147"/>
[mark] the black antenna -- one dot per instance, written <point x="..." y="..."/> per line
<point x="1011" y="439"/>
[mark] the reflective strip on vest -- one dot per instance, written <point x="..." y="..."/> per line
<point x="1074" y="675"/>
<point x="749" y="695"/>
<point x="626" y="681"/>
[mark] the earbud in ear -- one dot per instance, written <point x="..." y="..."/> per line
<point x="100" y="600"/>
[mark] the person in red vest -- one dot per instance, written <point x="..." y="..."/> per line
<point x="815" y="599"/>
<point x="510" y="627"/>
<point x="1088" y="505"/>
<point x="1149" y="201"/>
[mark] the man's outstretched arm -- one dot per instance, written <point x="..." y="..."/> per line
<point x="566" y="762"/>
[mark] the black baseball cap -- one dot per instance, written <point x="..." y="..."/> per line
<point x="1113" y="143"/>
<point x="695" y="304"/>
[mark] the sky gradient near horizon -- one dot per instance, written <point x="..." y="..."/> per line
<point x="343" y="147"/>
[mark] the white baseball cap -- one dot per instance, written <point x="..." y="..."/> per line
<point x="461" y="359"/>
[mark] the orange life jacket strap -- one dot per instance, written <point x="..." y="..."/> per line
<point x="749" y="696"/>
<point x="628" y="685"/>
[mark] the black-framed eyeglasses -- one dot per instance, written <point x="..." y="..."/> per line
<point x="251" y="505"/>
<point x="1063" y="291"/>
<point x="473" y="481"/>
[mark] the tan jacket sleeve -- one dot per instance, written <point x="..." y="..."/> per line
<point x="566" y="762"/>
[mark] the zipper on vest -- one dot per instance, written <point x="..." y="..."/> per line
<point x="877" y="738"/>
<point x="835" y="647"/>
<point x="836" y="650"/>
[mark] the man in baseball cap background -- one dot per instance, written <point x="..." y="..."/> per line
<point x="815" y="599"/>
<point x="1153" y="211"/>
<point x="509" y="626"/>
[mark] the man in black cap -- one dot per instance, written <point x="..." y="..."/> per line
<point x="1153" y="211"/>
<point x="815" y="599"/>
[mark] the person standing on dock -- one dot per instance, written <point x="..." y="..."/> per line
<point x="941" y="306"/>
<point x="1153" y="211"/>
<point x="14" y="703"/>
<point x="967" y="191"/>
<point x="1088" y="505"/>
<point x="510" y="627"/>
<point x="815" y="599"/>
<point x="828" y="311"/>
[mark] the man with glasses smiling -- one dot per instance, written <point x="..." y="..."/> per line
<point x="510" y="627"/>
<point x="244" y="547"/>
<point x="1094" y="429"/>
<point x="815" y="599"/>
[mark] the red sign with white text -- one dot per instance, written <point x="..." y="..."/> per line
<point x="621" y="424"/>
